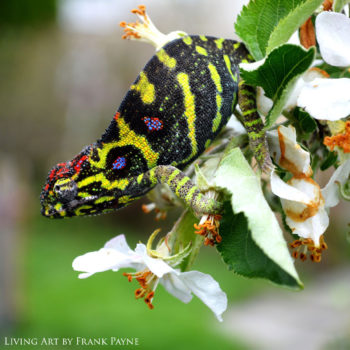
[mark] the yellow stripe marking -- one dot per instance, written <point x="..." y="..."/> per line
<point x="253" y="122"/>
<point x="166" y="59"/>
<point x="78" y="211"/>
<point x="152" y="176"/>
<point x="145" y="88"/>
<point x="84" y="194"/>
<point x="249" y="111"/>
<point x="58" y="207"/>
<point x="189" y="195"/>
<point x="255" y="135"/>
<point x="124" y="199"/>
<point x="203" y="38"/>
<point x="219" y="43"/>
<point x="187" y="40"/>
<point x="236" y="45"/>
<point x="104" y="199"/>
<point x="180" y="184"/>
<point x="201" y="50"/>
<point x="173" y="175"/>
<point x="228" y="66"/>
<point x="105" y="183"/>
<point x="190" y="113"/>
<point x="216" y="78"/>
<point x="217" y="119"/>
<point x="139" y="178"/>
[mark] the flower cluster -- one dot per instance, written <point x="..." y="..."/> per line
<point x="312" y="135"/>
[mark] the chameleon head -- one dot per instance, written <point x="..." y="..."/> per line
<point x="60" y="196"/>
<point x="78" y="187"/>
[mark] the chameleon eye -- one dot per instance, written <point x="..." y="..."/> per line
<point x="65" y="190"/>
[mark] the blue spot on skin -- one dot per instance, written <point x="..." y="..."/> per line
<point x="153" y="124"/>
<point x="119" y="163"/>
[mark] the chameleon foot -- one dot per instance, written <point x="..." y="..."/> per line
<point x="145" y="30"/>
<point x="209" y="228"/>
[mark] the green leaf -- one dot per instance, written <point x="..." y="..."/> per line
<point x="338" y="5"/>
<point x="266" y="24"/>
<point x="278" y="75"/>
<point x="305" y="122"/>
<point x="237" y="177"/>
<point x="330" y="160"/>
<point x="182" y="234"/>
<point x="243" y="255"/>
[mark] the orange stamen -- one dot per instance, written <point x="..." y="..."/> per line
<point x="130" y="28"/>
<point x="340" y="140"/>
<point x="210" y="230"/>
<point x="308" y="246"/>
<point x="144" y="278"/>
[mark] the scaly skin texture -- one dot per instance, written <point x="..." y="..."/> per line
<point x="176" y="107"/>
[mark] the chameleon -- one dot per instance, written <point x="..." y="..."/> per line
<point x="173" y="111"/>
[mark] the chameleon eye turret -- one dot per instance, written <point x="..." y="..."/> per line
<point x="176" y="107"/>
<point x="65" y="190"/>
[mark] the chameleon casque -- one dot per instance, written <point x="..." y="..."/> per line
<point x="176" y="107"/>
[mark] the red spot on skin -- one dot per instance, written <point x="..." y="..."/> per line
<point x="80" y="162"/>
<point x="47" y="187"/>
<point x="52" y="174"/>
<point x="116" y="116"/>
<point x="56" y="173"/>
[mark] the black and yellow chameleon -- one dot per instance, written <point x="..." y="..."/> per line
<point x="176" y="107"/>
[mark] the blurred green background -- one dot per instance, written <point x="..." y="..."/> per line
<point x="63" y="72"/>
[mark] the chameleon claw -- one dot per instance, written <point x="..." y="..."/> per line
<point x="209" y="228"/>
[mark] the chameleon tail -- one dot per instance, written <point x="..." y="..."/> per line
<point x="254" y="125"/>
<point x="184" y="188"/>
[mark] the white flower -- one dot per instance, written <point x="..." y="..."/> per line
<point x="303" y="205"/>
<point x="301" y="197"/>
<point x="332" y="31"/>
<point x="329" y="99"/>
<point x="303" y="202"/>
<point x="326" y="99"/>
<point x="116" y="254"/>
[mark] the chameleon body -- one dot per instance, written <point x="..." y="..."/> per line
<point x="173" y="111"/>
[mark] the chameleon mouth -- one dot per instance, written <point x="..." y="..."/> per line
<point x="52" y="212"/>
<point x="63" y="210"/>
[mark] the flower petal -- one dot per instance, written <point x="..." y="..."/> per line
<point x="206" y="289"/>
<point x="173" y="285"/>
<point x="286" y="191"/>
<point x="119" y="243"/>
<point x="287" y="152"/>
<point x="326" y="99"/>
<point x="312" y="227"/>
<point x="157" y="266"/>
<point x="332" y="32"/>
<point x="101" y="260"/>
<point x="331" y="191"/>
